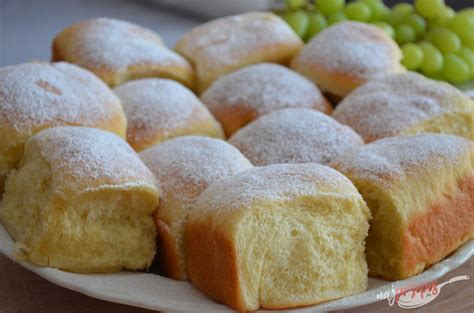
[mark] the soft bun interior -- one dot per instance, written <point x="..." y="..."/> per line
<point x="303" y="252"/>
<point x="99" y="230"/>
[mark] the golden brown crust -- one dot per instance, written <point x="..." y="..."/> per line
<point x="256" y="90"/>
<point x="161" y="109"/>
<point x="168" y="259"/>
<point x="226" y="44"/>
<point x="346" y="55"/>
<point x="219" y="277"/>
<point x="406" y="103"/>
<point x="444" y="227"/>
<point x="337" y="83"/>
<point x="141" y="53"/>
<point x="235" y="117"/>
<point x="223" y="282"/>
<point x="419" y="189"/>
<point x="200" y="123"/>
<point x="184" y="167"/>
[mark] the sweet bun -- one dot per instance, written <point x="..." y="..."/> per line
<point x="81" y="201"/>
<point x="246" y="94"/>
<point x="118" y="51"/>
<point x="223" y="45"/>
<point x="184" y="167"/>
<point x="420" y="191"/>
<point x="160" y="109"/>
<point x="346" y="55"/>
<point x="404" y="104"/>
<point x="295" y="136"/>
<point x="35" y="96"/>
<point x="278" y="236"/>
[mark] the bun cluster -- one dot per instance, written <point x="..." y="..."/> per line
<point x="303" y="202"/>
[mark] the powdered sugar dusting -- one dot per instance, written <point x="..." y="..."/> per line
<point x="389" y="105"/>
<point x="295" y="136"/>
<point x="263" y="88"/>
<point x="38" y="95"/>
<point x="116" y="44"/>
<point x="155" y="106"/>
<point x="352" y="47"/>
<point x="226" y="40"/>
<point x="226" y="44"/>
<point x="184" y="166"/>
<point x="395" y="158"/>
<point x="88" y="158"/>
<point x="273" y="183"/>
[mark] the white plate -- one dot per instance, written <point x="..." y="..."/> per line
<point x="162" y="294"/>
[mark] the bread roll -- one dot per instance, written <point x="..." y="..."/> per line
<point x="35" y="96"/>
<point x="184" y="167"/>
<point x="246" y="94"/>
<point x="278" y="236"/>
<point x="404" y="104"/>
<point x="420" y="191"/>
<point x="118" y="51"/>
<point x="295" y="136"/>
<point x="81" y="201"/>
<point x="346" y="55"/>
<point x="161" y="109"/>
<point x="223" y="45"/>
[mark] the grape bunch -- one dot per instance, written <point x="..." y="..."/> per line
<point x="434" y="39"/>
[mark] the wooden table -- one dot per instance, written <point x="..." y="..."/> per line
<point x="23" y="291"/>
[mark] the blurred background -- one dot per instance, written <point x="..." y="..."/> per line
<point x="27" y="27"/>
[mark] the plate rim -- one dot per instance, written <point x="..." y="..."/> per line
<point x="453" y="261"/>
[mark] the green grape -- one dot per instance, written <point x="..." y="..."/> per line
<point x="468" y="56"/>
<point x="432" y="59"/>
<point x="317" y="22"/>
<point x="468" y="11"/>
<point x="386" y="28"/>
<point x="445" y="40"/>
<point x="403" y="8"/>
<point x="336" y="18"/>
<point x="328" y="7"/>
<point x="358" y="11"/>
<point x="417" y="23"/>
<point x="404" y="33"/>
<point x="298" y="20"/>
<point x="295" y="4"/>
<point x="379" y="11"/>
<point x="462" y="24"/>
<point x="446" y="15"/>
<point x="395" y="18"/>
<point x="455" y="69"/>
<point x="430" y="8"/>
<point x="468" y="40"/>
<point x="371" y="2"/>
<point x="412" y="56"/>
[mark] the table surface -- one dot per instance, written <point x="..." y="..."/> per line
<point x="26" y="30"/>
